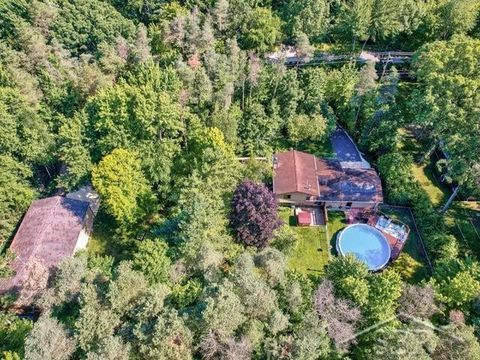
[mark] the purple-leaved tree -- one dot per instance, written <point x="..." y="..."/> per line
<point x="254" y="214"/>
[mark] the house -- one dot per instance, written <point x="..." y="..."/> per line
<point x="52" y="229"/>
<point x="304" y="179"/>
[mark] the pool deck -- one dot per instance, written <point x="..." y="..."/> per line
<point x="355" y="216"/>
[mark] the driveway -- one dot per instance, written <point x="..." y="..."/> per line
<point x="344" y="148"/>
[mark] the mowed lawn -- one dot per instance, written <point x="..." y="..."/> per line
<point x="435" y="190"/>
<point x="313" y="250"/>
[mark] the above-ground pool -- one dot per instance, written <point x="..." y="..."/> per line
<point x="367" y="244"/>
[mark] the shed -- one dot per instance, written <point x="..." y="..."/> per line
<point x="53" y="228"/>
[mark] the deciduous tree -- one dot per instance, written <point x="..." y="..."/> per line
<point x="254" y="214"/>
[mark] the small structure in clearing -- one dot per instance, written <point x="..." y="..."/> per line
<point x="52" y="229"/>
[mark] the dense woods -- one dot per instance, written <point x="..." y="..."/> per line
<point x="152" y="102"/>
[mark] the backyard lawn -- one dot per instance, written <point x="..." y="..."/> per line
<point x="423" y="173"/>
<point x="316" y="244"/>
<point x="313" y="250"/>
<point x="437" y="192"/>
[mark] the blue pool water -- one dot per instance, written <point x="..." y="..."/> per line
<point x="366" y="243"/>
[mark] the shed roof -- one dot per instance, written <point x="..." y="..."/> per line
<point x="48" y="234"/>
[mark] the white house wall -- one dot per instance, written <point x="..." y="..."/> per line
<point x="82" y="241"/>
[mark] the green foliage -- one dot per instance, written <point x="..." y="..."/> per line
<point x="261" y="30"/>
<point x="306" y="128"/>
<point x="125" y="192"/>
<point x="406" y="266"/>
<point x="286" y="240"/>
<point x="152" y="260"/>
<point x="5" y="263"/>
<point x="16" y="193"/>
<point x="446" y="100"/>
<point x="12" y="334"/>
<point x="48" y="340"/>
<point x="257" y="131"/>
<point x="223" y="311"/>
<point x="310" y="17"/>
<point x="457" y="283"/>
<point x="73" y="151"/>
<point x="82" y="25"/>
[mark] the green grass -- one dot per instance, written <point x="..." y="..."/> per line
<point x="336" y="222"/>
<point x="423" y="173"/>
<point x="463" y="220"/>
<point x="413" y="244"/>
<point x="313" y="250"/>
<point x="435" y="190"/>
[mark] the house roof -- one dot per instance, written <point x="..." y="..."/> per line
<point x="325" y="179"/>
<point x="295" y="171"/>
<point x="47" y="234"/>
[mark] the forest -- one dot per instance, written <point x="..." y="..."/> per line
<point x="170" y="108"/>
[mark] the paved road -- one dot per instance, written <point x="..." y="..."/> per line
<point x="344" y="147"/>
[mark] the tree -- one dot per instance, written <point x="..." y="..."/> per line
<point x="105" y="24"/>
<point x="257" y="130"/>
<point x="309" y="17"/>
<point x="406" y="266"/>
<point x="307" y="128"/>
<point x="377" y="20"/>
<point x="156" y="331"/>
<point x="340" y="315"/>
<point x="310" y="340"/>
<point x="384" y="291"/>
<point x="286" y="240"/>
<point x="349" y="277"/>
<point x="48" y="340"/>
<point x="152" y="260"/>
<point x="445" y="103"/>
<point x="456" y="17"/>
<point x="141" y="51"/>
<point x="417" y="301"/>
<point x="13" y="332"/>
<point x="254" y="214"/>
<point x="457" y="283"/>
<point x="261" y="30"/>
<point x="401" y="343"/>
<point x="459" y="342"/>
<point x="125" y="192"/>
<point x="253" y="288"/>
<point x="73" y="152"/>
<point x="223" y="311"/>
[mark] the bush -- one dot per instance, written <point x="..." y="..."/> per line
<point x="406" y="266"/>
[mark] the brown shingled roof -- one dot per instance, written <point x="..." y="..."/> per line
<point x="47" y="234"/>
<point x="296" y="173"/>
<point x="324" y="179"/>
